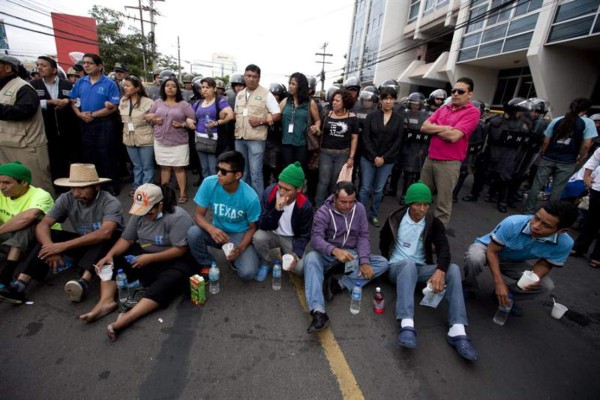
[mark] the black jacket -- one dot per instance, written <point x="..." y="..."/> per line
<point x="434" y="234"/>
<point x="382" y="140"/>
<point x="61" y="122"/>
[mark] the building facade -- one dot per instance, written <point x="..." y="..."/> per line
<point x="526" y="48"/>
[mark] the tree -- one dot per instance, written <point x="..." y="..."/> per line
<point x="116" y="45"/>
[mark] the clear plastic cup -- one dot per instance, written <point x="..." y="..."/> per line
<point x="558" y="310"/>
<point x="528" y="278"/>
<point x="287" y="261"/>
<point x="106" y="272"/>
<point x="227" y="248"/>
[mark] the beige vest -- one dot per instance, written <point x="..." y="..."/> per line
<point x="143" y="133"/>
<point x="25" y="133"/>
<point x="257" y="106"/>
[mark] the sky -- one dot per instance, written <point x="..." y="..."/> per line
<point x="281" y="37"/>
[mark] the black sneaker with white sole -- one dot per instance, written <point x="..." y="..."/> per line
<point x="319" y="322"/>
<point x="9" y="294"/>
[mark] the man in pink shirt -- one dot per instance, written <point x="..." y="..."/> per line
<point x="451" y="125"/>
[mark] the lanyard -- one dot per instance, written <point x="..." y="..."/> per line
<point x="132" y="106"/>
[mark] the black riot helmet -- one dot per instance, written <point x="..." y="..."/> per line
<point x="166" y="74"/>
<point x="480" y="105"/>
<point x="415" y="98"/>
<point x="352" y="83"/>
<point x="237" y="79"/>
<point x="312" y="83"/>
<point x="330" y="92"/>
<point x="437" y="94"/>
<point x="540" y="106"/>
<point x="518" y="104"/>
<point x="369" y="93"/>
<point x="277" y="89"/>
<point x="390" y="83"/>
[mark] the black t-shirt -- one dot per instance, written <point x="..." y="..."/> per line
<point x="337" y="133"/>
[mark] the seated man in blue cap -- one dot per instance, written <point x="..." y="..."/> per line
<point x="408" y="240"/>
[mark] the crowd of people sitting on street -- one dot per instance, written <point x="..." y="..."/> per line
<point x="277" y="170"/>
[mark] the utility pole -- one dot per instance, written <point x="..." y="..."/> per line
<point x="153" y="38"/>
<point x="323" y="62"/>
<point x="150" y="35"/>
<point x="179" y="59"/>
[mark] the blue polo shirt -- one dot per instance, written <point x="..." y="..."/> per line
<point x="93" y="96"/>
<point x="514" y="234"/>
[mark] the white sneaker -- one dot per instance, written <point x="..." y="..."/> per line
<point x="74" y="290"/>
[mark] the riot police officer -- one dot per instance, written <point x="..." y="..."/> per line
<point x="436" y="100"/>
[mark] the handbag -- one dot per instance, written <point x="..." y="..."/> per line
<point x="206" y="145"/>
<point x="313" y="142"/>
<point x="345" y="174"/>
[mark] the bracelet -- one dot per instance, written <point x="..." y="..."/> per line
<point x="261" y="122"/>
<point x="217" y="121"/>
<point x="351" y="156"/>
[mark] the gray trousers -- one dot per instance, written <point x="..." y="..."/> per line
<point x="264" y="241"/>
<point x="476" y="259"/>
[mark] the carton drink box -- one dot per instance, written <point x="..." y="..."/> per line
<point x="197" y="289"/>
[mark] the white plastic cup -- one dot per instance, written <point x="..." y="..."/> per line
<point x="528" y="278"/>
<point x="228" y="248"/>
<point x="106" y="272"/>
<point x="287" y="261"/>
<point x="558" y="310"/>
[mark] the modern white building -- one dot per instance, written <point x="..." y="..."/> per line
<point x="544" y="48"/>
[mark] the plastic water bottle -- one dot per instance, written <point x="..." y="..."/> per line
<point x="122" y="285"/>
<point x="378" y="302"/>
<point x="68" y="262"/>
<point x="206" y="122"/>
<point x="355" y="299"/>
<point x="276" y="275"/>
<point x="213" y="278"/>
<point x="502" y="313"/>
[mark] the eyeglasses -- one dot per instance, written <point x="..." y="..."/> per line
<point x="459" y="91"/>
<point x="224" y="171"/>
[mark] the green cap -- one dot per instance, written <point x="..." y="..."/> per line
<point x="16" y="171"/>
<point x="418" y="193"/>
<point x="293" y="175"/>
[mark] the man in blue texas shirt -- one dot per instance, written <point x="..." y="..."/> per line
<point x="235" y="207"/>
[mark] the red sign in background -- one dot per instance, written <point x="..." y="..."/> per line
<point x="74" y="35"/>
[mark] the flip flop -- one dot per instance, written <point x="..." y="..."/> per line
<point x="183" y="199"/>
<point x="594" y="263"/>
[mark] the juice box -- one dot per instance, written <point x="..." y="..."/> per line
<point x="198" y="289"/>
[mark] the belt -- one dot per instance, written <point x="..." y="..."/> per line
<point x="337" y="151"/>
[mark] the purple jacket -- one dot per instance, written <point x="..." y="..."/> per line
<point x="350" y="231"/>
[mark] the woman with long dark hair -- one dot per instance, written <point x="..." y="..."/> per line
<point x="154" y="250"/>
<point x="566" y="144"/>
<point x="170" y="116"/>
<point x="138" y="135"/>
<point x="299" y="117"/>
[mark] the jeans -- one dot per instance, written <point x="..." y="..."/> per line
<point x="315" y="266"/>
<point x="253" y="151"/>
<point x="143" y="164"/>
<point x="406" y="273"/>
<point x="441" y="176"/>
<point x="208" y="163"/>
<point x="264" y="241"/>
<point x="330" y="165"/>
<point x="476" y="259"/>
<point x="560" y="177"/>
<point x="198" y="239"/>
<point x="372" y="178"/>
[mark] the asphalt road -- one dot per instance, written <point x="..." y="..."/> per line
<point x="250" y="342"/>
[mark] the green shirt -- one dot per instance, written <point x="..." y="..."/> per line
<point x="299" y="117"/>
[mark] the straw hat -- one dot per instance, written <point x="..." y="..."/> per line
<point x="81" y="175"/>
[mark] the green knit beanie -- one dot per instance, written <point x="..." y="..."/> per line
<point x="293" y="175"/>
<point x="16" y="171"/>
<point x="418" y="193"/>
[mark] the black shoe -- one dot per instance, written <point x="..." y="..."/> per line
<point x="470" y="198"/>
<point x="10" y="295"/>
<point x="502" y="207"/>
<point x="450" y="232"/>
<point x="319" y="322"/>
<point x="332" y="287"/>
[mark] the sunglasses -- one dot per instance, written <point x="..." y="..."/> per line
<point x="224" y="171"/>
<point x="459" y="91"/>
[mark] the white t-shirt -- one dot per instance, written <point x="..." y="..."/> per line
<point x="285" y="221"/>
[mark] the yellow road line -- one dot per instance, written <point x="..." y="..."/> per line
<point x="337" y="362"/>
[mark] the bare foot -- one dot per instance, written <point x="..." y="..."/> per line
<point x="99" y="311"/>
<point x="111" y="332"/>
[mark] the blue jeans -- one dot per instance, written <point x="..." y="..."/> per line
<point x="405" y="274"/>
<point x="198" y="239"/>
<point x="330" y="165"/>
<point x="143" y="164"/>
<point x="372" y="178"/>
<point x="208" y="163"/>
<point x="315" y="266"/>
<point x="253" y="151"/>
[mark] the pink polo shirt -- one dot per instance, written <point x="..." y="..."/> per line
<point x="465" y="119"/>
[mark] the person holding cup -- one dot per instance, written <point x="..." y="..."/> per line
<point x="152" y="249"/>
<point x="516" y="240"/>
<point x="286" y="219"/>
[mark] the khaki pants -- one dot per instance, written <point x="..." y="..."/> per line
<point x="34" y="158"/>
<point x="264" y="241"/>
<point x="441" y="176"/>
